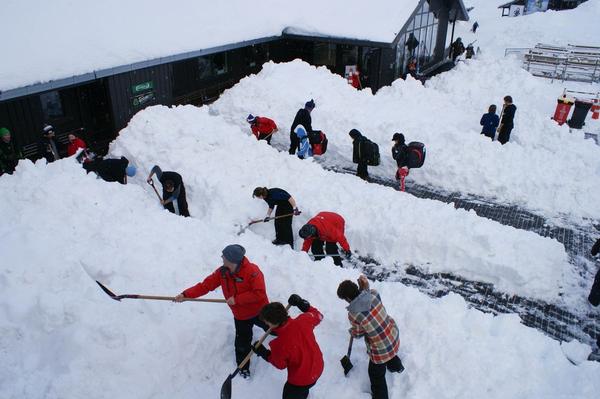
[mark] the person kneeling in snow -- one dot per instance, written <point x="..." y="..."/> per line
<point x="325" y="228"/>
<point x="262" y="128"/>
<point x="243" y="287"/>
<point x="111" y="169"/>
<point x="369" y="319"/>
<point x="295" y="347"/>
<point x="174" y="198"/>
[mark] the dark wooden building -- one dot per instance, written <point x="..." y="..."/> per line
<point x="98" y="105"/>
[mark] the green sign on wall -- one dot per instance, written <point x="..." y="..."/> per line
<point x="139" y="88"/>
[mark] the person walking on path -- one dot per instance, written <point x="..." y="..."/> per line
<point x="111" y="170"/>
<point x="506" y="120"/>
<point x="295" y="348"/>
<point x="173" y="198"/>
<point x="400" y="155"/>
<point x="286" y="205"/>
<point x="326" y="228"/>
<point x="490" y="122"/>
<point x="262" y="128"/>
<point x="243" y="287"/>
<point x="302" y="118"/>
<point x="9" y="155"/>
<point x="369" y="319"/>
<point x="359" y="153"/>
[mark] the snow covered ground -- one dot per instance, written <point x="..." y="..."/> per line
<point x="61" y="336"/>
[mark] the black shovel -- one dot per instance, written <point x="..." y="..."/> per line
<point x="346" y="363"/>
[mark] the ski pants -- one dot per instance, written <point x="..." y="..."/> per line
<point x="361" y="170"/>
<point x="291" y="391"/>
<point x="265" y="136"/>
<point x="294" y="143"/>
<point x="283" y="226"/>
<point x="504" y="134"/>
<point x="377" y="376"/>
<point x="331" y="248"/>
<point x="594" y="297"/>
<point x="243" y="338"/>
<point x="182" y="204"/>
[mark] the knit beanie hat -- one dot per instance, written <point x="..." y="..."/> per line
<point x="4" y="132"/>
<point x="251" y="118"/>
<point x="234" y="253"/>
<point x="310" y="104"/>
<point x="47" y="129"/>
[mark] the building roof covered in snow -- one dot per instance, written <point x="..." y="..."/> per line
<point x="45" y="41"/>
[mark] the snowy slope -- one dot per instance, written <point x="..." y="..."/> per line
<point x="544" y="168"/>
<point x="63" y="38"/>
<point x="63" y="337"/>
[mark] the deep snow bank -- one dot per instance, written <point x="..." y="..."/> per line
<point x="544" y="168"/>
<point x="62" y="337"/>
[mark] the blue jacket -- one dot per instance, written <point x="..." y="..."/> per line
<point x="304" y="149"/>
<point x="489" y="122"/>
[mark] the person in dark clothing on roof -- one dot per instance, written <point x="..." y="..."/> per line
<point x="456" y="49"/>
<point x="174" y="198"/>
<point x="490" y="122"/>
<point x="286" y="205"/>
<point x="111" y="169"/>
<point x="302" y="118"/>
<point x="507" y="120"/>
<point x="295" y="348"/>
<point x="359" y="153"/>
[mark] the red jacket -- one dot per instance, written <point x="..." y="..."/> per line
<point x="75" y="145"/>
<point x="296" y="348"/>
<point x="330" y="227"/>
<point x="247" y="286"/>
<point x="264" y="126"/>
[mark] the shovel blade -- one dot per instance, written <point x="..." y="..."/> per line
<point x="226" y="388"/>
<point x="108" y="292"/>
<point x="346" y="364"/>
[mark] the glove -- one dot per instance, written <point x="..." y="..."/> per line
<point x="261" y="351"/>
<point x="297" y="301"/>
<point x="596" y="248"/>
<point x="348" y="254"/>
<point x="297" y="212"/>
<point x="266" y="219"/>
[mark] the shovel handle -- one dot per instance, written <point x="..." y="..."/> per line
<point x="350" y="345"/>
<point x="169" y="298"/>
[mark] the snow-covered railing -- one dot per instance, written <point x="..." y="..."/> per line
<point x="574" y="63"/>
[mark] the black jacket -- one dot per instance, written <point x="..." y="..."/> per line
<point x="49" y="149"/>
<point x="400" y="154"/>
<point x="508" y="115"/>
<point x="302" y="118"/>
<point x="108" y="169"/>
<point x="358" y="149"/>
<point x="9" y="157"/>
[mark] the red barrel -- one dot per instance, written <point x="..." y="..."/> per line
<point x="562" y="109"/>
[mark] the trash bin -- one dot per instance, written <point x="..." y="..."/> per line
<point x="562" y="109"/>
<point x="579" y="113"/>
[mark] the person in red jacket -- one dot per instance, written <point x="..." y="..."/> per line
<point x="243" y="287"/>
<point x="295" y="347"/>
<point x="263" y="128"/>
<point x="325" y="228"/>
<point x="75" y="143"/>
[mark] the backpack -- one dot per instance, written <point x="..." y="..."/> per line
<point x="318" y="141"/>
<point x="416" y="155"/>
<point x="371" y="152"/>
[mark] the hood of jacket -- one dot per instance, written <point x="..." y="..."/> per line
<point x="362" y="303"/>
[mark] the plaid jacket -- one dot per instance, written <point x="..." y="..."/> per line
<point x="368" y="318"/>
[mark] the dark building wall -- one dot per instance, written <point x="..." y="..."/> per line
<point x="23" y="117"/>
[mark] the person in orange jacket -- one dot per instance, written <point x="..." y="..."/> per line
<point x="262" y="128"/>
<point x="243" y="287"/>
<point x="325" y="228"/>
<point x="295" y="348"/>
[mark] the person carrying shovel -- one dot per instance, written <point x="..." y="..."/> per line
<point x="173" y="197"/>
<point x="369" y="319"/>
<point x="286" y="210"/>
<point x="295" y="348"/>
<point x="243" y="287"/>
<point x="262" y="128"/>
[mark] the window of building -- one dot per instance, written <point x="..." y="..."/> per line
<point x="418" y="42"/>
<point x="52" y="105"/>
<point x="324" y="54"/>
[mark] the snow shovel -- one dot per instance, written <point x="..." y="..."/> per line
<point x="153" y="297"/>
<point x="346" y="363"/>
<point x="261" y="221"/>
<point x="226" y="387"/>
<point x="151" y="182"/>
